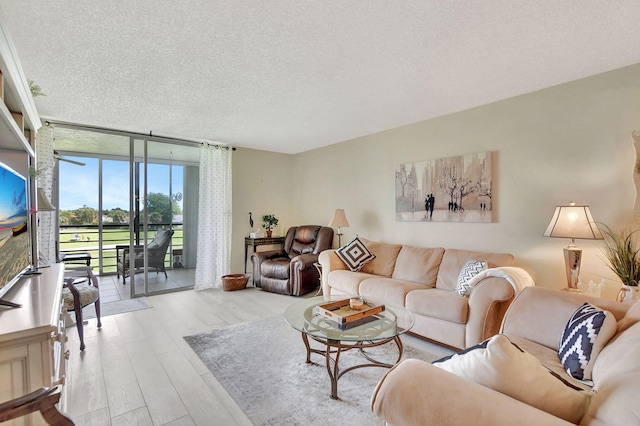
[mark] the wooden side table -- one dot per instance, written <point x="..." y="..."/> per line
<point x="255" y="242"/>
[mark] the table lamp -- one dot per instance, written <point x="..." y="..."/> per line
<point x="573" y="221"/>
<point x="339" y="220"/>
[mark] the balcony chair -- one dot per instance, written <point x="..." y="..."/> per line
<point x="80" y="290"/>
<point x="43" y="400"/>
<point x="291" y="270"/>
<point x="156" y="253"/>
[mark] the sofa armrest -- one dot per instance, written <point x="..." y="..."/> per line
<point x="417" y="393"/>
<point x="488" y="302"/>
<point x="329" y="261"/>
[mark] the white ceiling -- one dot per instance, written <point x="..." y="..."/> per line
<point x="291" y="75"/>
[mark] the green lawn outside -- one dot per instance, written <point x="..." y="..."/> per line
<point x="88" y="242"/>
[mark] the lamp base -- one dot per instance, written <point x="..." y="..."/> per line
<point x="572" y="258"/>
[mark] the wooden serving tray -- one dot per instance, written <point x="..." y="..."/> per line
<point x="341" y="313"/>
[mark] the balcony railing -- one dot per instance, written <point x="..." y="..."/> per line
<point x="101" y="244"/>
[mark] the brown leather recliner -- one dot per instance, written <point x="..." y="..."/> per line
<point x="290" y="270"/>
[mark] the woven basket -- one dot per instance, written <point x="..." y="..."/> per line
<point x="235" y="282"/>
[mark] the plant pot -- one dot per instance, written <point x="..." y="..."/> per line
<point x="629" y="294"/>
<point x="269" y="232"/>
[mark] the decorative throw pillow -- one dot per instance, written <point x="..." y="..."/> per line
<point x="355" y="254"/>
<point x="587" y="332"/>
<point x="502" y="366"/>
<point x="468" y="271"/>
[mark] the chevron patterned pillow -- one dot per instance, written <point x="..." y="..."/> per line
<point x="355" y="254"/>
<point x="589" y="329"/>
<point x="468" y="271"/>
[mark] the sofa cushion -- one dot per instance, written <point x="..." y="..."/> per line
<point x="631" y="317"/>
<point x="419" y="265"/>
<point x="355" y="254"/>
<point x="616" y="402"/>
<point x="385" y="261"/>
<point x="277" y="267"/>
<point x="504" y="367"/>
<point x="347" y="282"/>
<point x="469" y="270"/>
<point x="387" y="290"/>
<point x="619" y="357"/>
<point x="453" y="260"/>
<point x="437" y="303"/>
<point x="586" y="333"/>
<point x="549" y="358"/>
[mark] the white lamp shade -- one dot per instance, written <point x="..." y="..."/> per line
<point x="573" y="221"/>
<point x="44" y="205"/>
<point x="339" y="219"/>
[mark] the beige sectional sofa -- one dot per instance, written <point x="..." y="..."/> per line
<point x="534" y="322"/>
<point x="423" y="280"/>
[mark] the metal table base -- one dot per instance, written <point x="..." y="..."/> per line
<point x="336" y="347"/>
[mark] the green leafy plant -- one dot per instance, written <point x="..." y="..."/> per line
<point x="34" y="173"/>
<point x="35" y="89"/>
<point x="269" y="222"/>
<point x="622" y="250"/>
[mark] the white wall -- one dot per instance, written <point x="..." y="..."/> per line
<point x="17" y="160"/>
<point x="262" y="184"/>
<point x="567" y="143"/>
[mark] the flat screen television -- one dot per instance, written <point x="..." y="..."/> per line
<point x="14" y="232"/>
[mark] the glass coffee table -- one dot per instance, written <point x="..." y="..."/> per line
<point x="386" y="327"/>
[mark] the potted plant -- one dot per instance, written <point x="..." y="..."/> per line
<point x="269" y="222"/>
<point x="622" y="250"/>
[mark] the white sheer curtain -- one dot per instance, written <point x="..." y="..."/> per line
<point x="45" y="166"/>
<point x="214" y="217"/>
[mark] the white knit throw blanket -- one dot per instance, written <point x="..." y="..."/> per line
<point x="517" y="277"/>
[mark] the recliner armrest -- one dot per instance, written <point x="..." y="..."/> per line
<point x="260" y="256"/>
<point x="269" y="254"/>
<point x="304" y="261"/>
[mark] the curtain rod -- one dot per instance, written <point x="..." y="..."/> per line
<point x="135" y="134"/>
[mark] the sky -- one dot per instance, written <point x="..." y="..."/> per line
<point x="79" y="184"/>
<point x="13" y="199"/>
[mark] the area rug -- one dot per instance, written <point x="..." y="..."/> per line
<point x="117" y="307"/>
<point x="262" y="366"/>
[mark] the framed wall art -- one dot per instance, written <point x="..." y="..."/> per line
<point x="451" y="189"/>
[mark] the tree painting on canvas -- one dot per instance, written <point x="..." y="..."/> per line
<point x="451" y="189"/>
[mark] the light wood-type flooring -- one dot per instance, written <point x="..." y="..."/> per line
<point x="138" y="370"/>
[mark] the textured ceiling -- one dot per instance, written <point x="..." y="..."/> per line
<point x="291" y="75"/>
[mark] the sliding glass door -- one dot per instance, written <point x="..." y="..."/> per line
<point x="159" y="207"/>
<point x="139" y="191"/>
